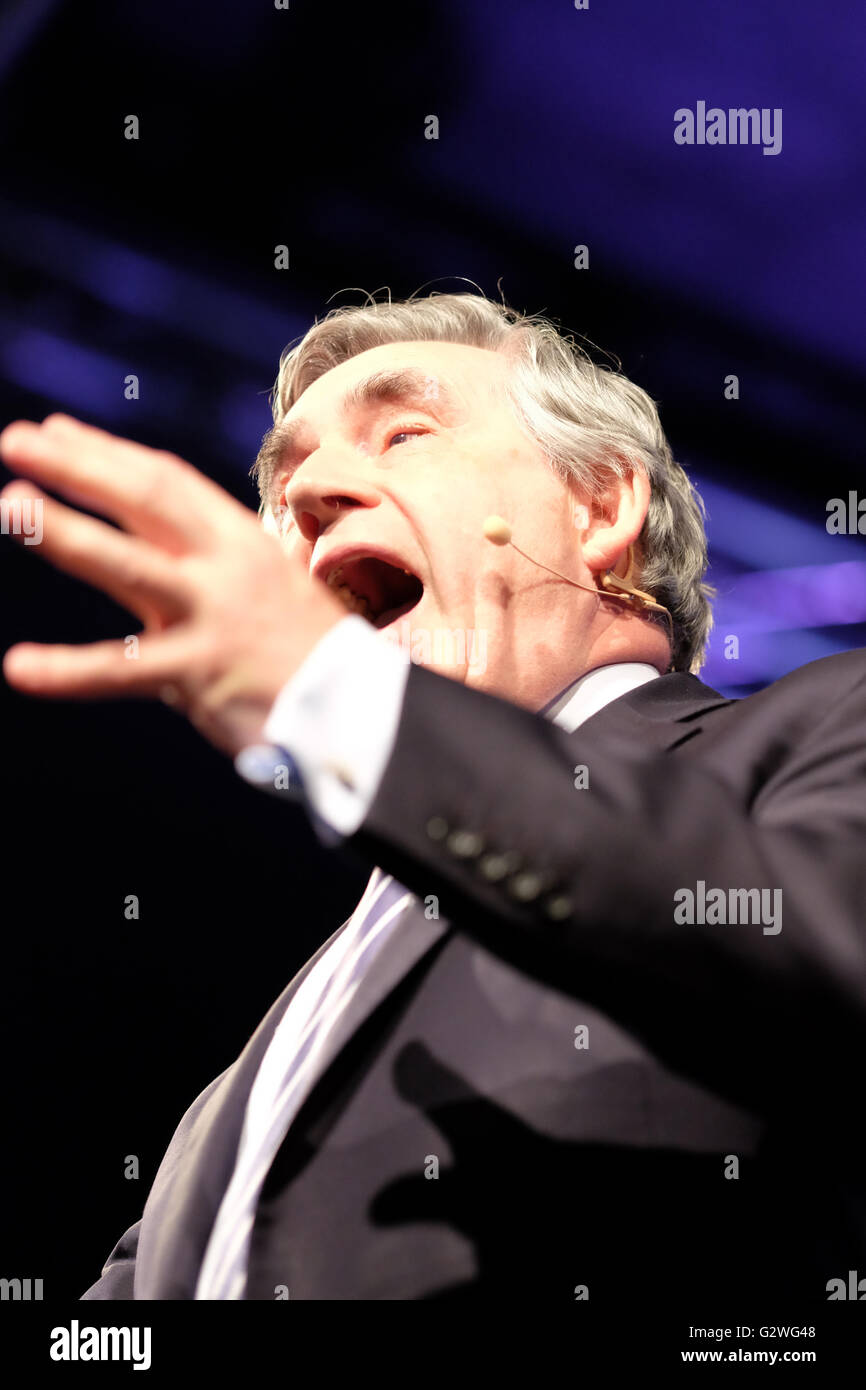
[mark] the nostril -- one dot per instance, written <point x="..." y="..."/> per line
<point x="337" y="502"/>
<point x="309" y="526"/>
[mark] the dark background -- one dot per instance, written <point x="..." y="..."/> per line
<point x="306" y="127"/>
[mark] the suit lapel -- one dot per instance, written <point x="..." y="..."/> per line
<point x="413" y="937"/>
<point x="180" y="1221"/>
<point x="181" y="1210"/>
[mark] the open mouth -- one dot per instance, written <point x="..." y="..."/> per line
<point x="378" y="591"/>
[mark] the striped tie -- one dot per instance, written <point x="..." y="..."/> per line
<point x="286" y="1076"/>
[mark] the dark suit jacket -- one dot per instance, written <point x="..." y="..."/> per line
<point x="708" y="1138"/>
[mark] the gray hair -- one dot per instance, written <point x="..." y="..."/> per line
<point x="591" y="423"/>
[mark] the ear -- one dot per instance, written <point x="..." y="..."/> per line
<point x="614" y="522"/>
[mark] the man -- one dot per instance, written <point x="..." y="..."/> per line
<point x="591" y="1031"/>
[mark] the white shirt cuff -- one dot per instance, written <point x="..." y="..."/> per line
<point x="337" y="720"/>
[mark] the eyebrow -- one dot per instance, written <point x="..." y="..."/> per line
<point x="404" y="385"/>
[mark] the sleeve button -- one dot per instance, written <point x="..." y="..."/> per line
<point x="465" y="844"/>
<point x="558" y="908"/>
<point x="497" y="866"/>
<point x="525" y="887"/>
<point x="437" y="827"/>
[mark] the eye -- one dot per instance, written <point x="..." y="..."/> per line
<point x="410" y="432"/>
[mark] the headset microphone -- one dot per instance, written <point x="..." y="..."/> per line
<point x="497" y="530"/>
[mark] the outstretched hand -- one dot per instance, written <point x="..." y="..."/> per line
<point x="228" y="614"/>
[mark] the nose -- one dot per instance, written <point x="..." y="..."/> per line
<point x="325" y="484"/>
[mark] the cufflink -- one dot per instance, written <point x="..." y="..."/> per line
<point x="270" y="768"/>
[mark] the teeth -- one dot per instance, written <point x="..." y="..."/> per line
<point x="355" y="603"/>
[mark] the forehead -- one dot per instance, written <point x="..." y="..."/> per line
<point x="451" y="381"/>
<point x="459" y="371"/>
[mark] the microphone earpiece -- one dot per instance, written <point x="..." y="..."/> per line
<point x="610" y="580"/>
<point x="497" y="530"/>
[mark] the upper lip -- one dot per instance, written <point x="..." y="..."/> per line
<point x="342" y="555"/>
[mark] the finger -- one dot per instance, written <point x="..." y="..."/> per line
<point x="155" y="494"/>
<point x="101" y="669"/>
<point x="136" y="574"/>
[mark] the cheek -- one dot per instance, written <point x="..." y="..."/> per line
<point x="451" y="588"/>
<point x="294" y="545"/>
<point x="470" y="485"/>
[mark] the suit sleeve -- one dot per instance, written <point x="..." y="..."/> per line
<point x="577" y="888"/>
